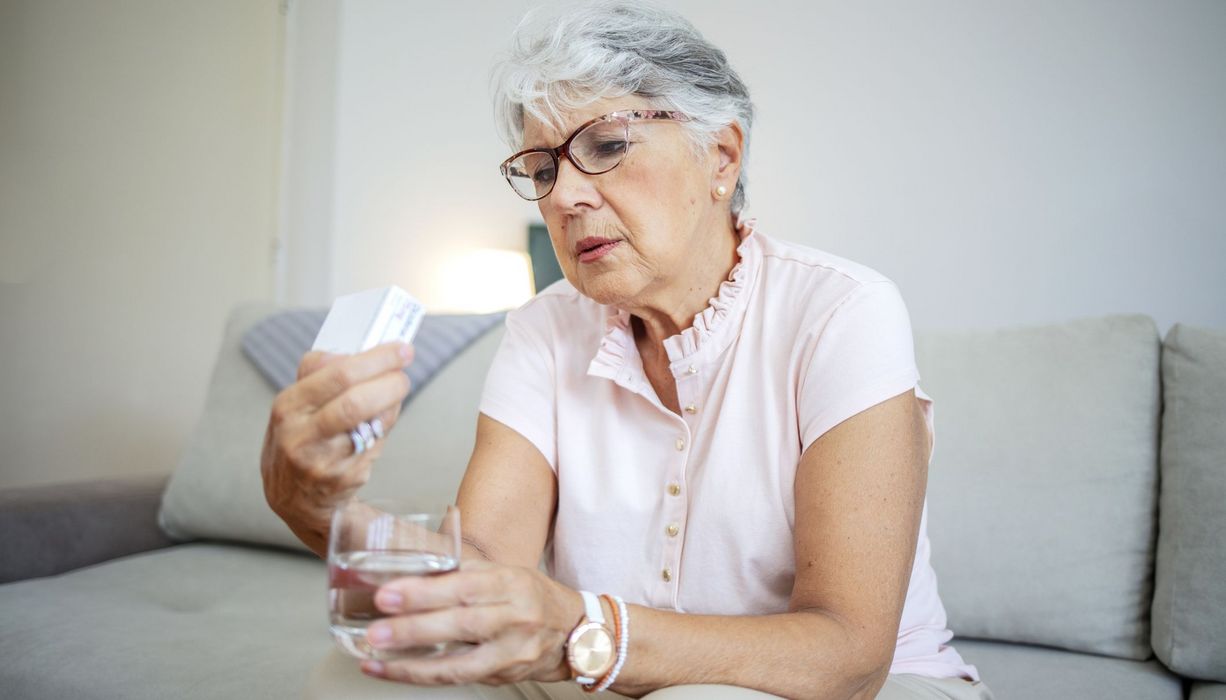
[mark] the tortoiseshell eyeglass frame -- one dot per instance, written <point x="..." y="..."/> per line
<point x="625" y="116"/>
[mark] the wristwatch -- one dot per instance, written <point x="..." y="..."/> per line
<point x="591" y="649"/>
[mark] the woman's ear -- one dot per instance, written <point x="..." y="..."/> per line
<point x="730" y="149"/>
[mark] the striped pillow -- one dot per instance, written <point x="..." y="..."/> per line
<point x="276" y="344"/>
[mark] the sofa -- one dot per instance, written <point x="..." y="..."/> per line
<point x="1077" y="505"/>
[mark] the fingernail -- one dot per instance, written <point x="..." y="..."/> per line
<point x="374" y="668"/>
<point x="377" y="634"/>
<point x="390" y="600"/>
<point x="406" y="351"/>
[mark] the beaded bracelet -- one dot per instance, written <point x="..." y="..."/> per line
<point x="621" y="623"/>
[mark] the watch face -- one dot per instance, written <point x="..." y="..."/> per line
<point x="591" y="651"/>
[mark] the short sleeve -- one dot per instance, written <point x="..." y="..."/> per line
<point x="520" y="386"/>
<point x="862" y="355"/>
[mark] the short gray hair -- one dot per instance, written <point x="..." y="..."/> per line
<point x="611" y="49"/>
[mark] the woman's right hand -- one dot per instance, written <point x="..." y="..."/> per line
<point x="308" y="463"/>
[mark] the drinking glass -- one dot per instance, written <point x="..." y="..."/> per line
<point x="375" y="541"/>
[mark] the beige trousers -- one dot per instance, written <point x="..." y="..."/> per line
<point x="337" y="676"/>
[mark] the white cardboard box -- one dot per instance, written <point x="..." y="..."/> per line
<point x="358" y="322"/>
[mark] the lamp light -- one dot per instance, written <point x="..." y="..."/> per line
<point x="484" y="280"/>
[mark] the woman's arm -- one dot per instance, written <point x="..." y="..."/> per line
<point x="859" y="496"/>
<point x="507" y="498"/>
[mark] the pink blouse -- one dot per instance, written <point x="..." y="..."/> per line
<point x="695" y="512"/>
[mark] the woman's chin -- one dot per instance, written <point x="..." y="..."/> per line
<point x="606" y="287"/>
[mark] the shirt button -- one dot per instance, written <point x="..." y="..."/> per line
<point x="691" y="409"/>
<point x="692" y="370"/>
<point x="674" y="489"/>
<point x="680" y="444"/>
<point x="672" y="529"/>
<point x="666" y="574"/>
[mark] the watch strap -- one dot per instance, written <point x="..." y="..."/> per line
<point x="593" y="613"/>
<point x="591" y="607"/>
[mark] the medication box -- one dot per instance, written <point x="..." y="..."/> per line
<point x="358" y="322"/>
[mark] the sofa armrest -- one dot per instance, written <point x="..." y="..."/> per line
<point x="1204" y="690"/>
<point x="52" y="529"/>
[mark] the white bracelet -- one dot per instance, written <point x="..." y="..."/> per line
<point x="623" y="643"/>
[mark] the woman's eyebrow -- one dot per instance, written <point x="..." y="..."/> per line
<point x="535" y="143"/>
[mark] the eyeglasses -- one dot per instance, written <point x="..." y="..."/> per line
<point x="595" y="147"/>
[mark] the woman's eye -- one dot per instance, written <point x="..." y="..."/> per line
<point x="543" y="175"/>
<point x="610" y="148"/>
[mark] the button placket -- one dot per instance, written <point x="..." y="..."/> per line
<point x="686" y="394"/>
<point x="674" y="514"/>
<point x="676" y="504"/>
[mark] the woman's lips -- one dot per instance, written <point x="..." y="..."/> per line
<point x="595" y="253"/>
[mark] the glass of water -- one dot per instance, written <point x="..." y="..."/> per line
<point x="373" y="542"/>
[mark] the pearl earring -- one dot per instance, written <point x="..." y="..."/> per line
<point x="721" y="191"/>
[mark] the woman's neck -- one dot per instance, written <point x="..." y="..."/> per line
<point x="673" y="309"/>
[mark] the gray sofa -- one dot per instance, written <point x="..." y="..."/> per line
<point x="1076" y="527"/>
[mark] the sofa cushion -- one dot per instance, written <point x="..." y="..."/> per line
<point x="1189" y="610"/>
<point x="1024" y="671"/>
<point x="1043" y="483"/>
<point x="216" y="491"/>
<point x="192" y="621"/>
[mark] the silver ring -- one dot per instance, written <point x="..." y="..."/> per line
<point x="368" y="433"/>
<point x="377" y="426"/>
<point x="359" y="444"/>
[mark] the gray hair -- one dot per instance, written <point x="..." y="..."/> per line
<point x="611" y="49"/>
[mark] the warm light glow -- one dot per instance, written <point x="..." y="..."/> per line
<point x="484" y="280"/>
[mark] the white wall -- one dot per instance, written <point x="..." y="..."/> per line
<point x="308" y="158"/>
<point x="1006" y="162"/>
<point x="415" y="175"/>
<point x="138" y="202"/>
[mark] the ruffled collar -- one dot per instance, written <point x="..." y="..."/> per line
<point x="712" y="331"/>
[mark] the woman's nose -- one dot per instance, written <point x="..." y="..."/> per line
<point x="573" y="187"/>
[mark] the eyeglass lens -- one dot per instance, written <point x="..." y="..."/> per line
<point x="597" y="149"/>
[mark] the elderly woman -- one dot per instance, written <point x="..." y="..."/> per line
<point x="719" y="430"/>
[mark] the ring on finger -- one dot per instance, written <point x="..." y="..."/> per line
<point x="367" y="432"/>
<point x="377" y="426"/>
<point x="359" y="443"/>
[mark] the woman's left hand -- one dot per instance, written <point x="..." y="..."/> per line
<point x="518" y="618"/>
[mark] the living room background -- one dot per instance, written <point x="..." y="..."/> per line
<point x="1010" y="163"/>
